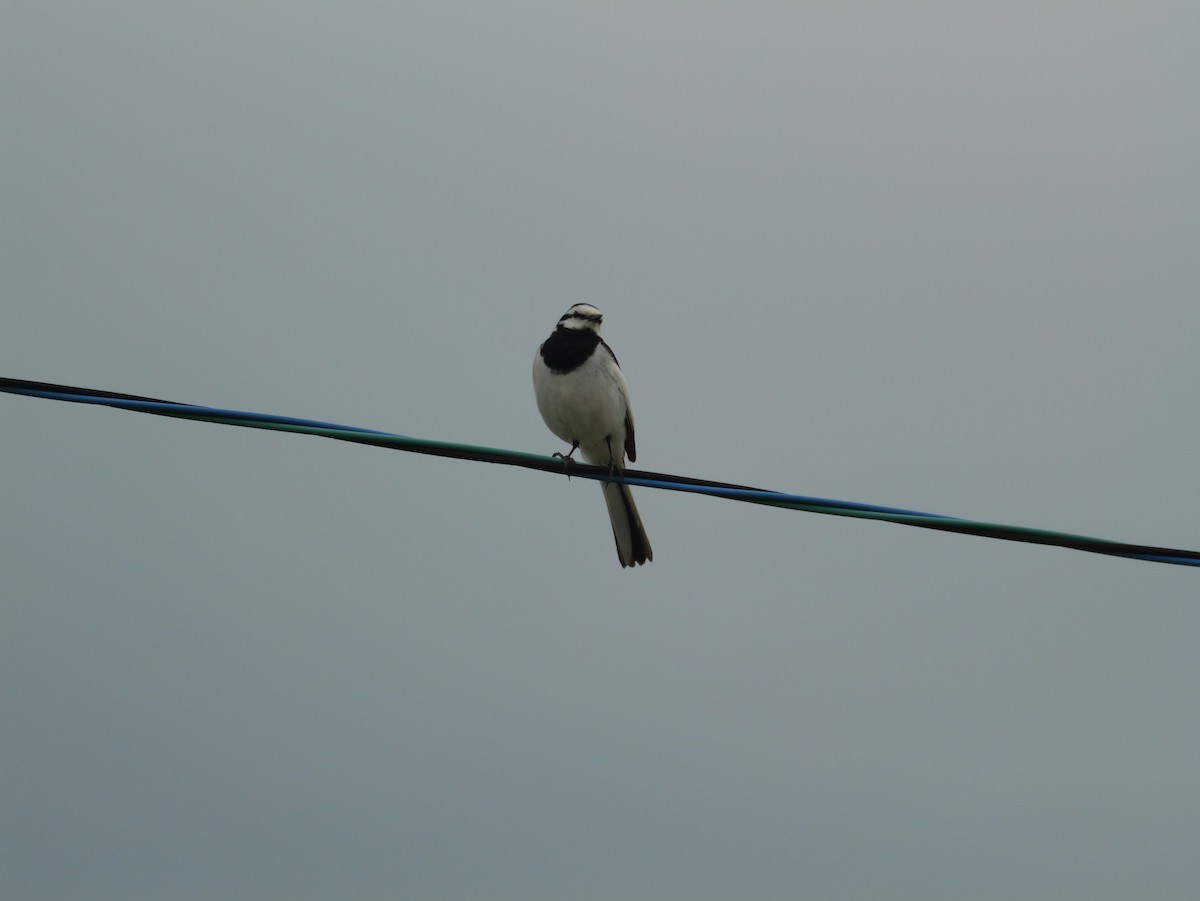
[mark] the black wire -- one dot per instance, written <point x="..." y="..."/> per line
<point x="666" y="481"/>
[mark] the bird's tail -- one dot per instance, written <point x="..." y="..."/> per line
<point x="633" y="547"/>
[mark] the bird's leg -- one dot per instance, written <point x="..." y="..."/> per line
<point x="566" y="458"/>
<point x="612" y="461"/>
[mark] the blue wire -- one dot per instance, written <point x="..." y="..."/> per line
<point x="173" y="409"/>
<point x="776" y="498"/>
<point x="633" y="477"/>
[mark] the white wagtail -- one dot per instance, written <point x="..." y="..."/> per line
<point x="584" y="399"/>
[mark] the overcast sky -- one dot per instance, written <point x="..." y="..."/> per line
<point x="933" y="255"/>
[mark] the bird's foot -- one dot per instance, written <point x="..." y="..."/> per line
<point x="566" y="458"/>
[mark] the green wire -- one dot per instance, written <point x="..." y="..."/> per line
<point x="663" y="481"/>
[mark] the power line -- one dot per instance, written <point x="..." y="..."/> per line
<point x="664" y="481"/>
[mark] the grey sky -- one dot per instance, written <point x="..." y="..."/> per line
<point x="940" y="256"/>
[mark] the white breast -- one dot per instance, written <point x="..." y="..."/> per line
<point x="586" y="405"/>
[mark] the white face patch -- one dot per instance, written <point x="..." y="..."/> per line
<point x="582" y="315"/>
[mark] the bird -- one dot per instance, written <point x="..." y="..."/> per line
<point x="584" y="400"/>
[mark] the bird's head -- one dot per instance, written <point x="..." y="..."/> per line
<point x="582" y="316"/>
